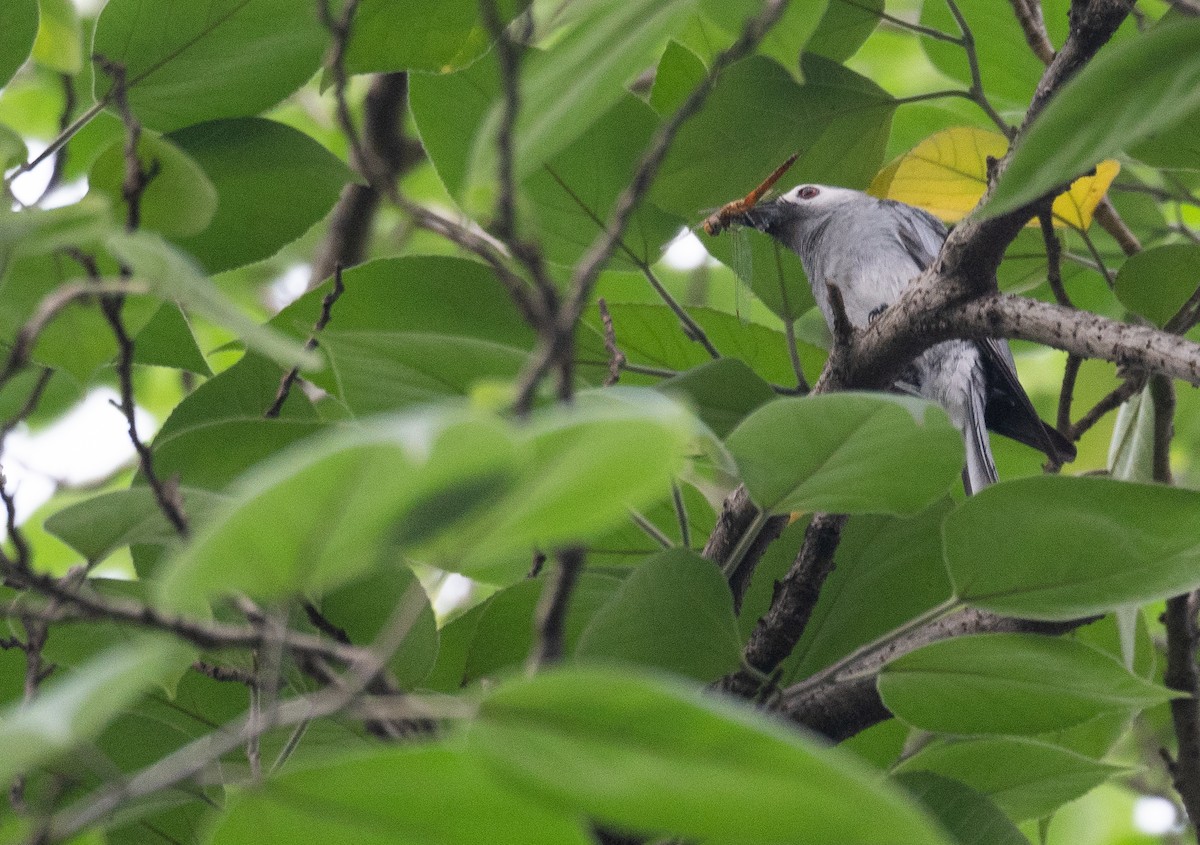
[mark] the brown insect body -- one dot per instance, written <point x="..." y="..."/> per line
<point x="719" y="220"/>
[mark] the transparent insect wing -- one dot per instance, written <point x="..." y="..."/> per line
<point x="743" y="271"/>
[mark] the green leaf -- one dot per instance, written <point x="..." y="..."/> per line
<point x="59" y="44"/>
<point x="887" y="571"/>
<point x="426" y="35"/>
<point x="73" y="708"/>
<point x="1009" y="69"/>
<point x="674" y="612"/>
<point x="651" y="755"/>
<point x="448" y="110"/>
<point x="458" y="327"/>
<point x="175" y="276"/>
<point x="167" y="341"/>
<point x="650" y="335"/>
<point x="211" y="454"/>
<point x="18" y="28"/>
<point x="572" y="197"/>
<point x="1158" y="281"/>
<point x="679" y="72"/>
<point x="844" y="27"/>
<point x="570" y="86"/>
<point x="723" y="392"/>
<point x="587" y="466"/>
<point x="1026" y="778"/>
<point x="970" y="817"/>
<point x="190" y="62"/>
<point x="450" y="465"/>
<point x="1085" y="546"/>
<point x="363" y="608"/>
<point x="12" y="149"/>
<point x="257" y="164"/>
<point x="847" y="453"/>
<point x="1010" y="684"/>
<point x="1123" y="95"/>
<point x="179" y="201"/>
<point x="447" y="799"/>
<point x="503" y="636"/>
<point x="99" y="526"/>
<point x="797" y="27"/>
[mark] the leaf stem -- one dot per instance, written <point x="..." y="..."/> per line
<point x="59" y="142"/>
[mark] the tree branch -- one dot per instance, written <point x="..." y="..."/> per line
<point x="556" y="349"/>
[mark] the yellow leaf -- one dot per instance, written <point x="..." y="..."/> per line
<point x="1076" y="206"/>
<point x="947" y="172"/>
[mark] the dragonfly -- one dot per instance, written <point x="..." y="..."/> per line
<point x="723" y="218"/>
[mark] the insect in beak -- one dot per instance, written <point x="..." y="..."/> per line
<point x="719" y="221"/>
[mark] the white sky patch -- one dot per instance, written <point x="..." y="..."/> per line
<point x="454" y="590"/>
<point x="686" y="252"/>
<point x="86" y="445"/>
<point x="29" y="187"/>
<point x="289" y="287"/>
<point x="1155" y="815"/>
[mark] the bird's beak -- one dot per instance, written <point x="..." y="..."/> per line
<point x="764" y="216"/>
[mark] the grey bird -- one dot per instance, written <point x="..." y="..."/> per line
<point x="871" y="249"/>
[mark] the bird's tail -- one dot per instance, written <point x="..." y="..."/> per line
<point x="980" y="470"/>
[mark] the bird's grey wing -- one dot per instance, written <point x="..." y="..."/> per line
<point x="1009" y="411"/>
<point x="920" y="233"/>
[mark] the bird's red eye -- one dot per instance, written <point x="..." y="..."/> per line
<point x="808" y="192"/>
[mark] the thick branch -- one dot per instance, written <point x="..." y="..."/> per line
<point x="842" y="706"/>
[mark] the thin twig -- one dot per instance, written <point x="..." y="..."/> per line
<point x="929" y="32"/>
<point x="615" y="355"/>
<point x="340" y="28"/>
<point x="976" y="90"/>
<point x="681" y="515"/>
<point x="690" y="327"/>
<point x="556" y="350"/>
<point x="289" y="378"/>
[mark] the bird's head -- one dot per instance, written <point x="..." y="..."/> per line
<point x="801" y="209"/>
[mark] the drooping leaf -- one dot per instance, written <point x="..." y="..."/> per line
<point x="190" y="62"/>
<point x="1158" y="281"/>
<point x="946" y="175"/>
<point x="1025" y="777"/>
<point x="18" y="28"/>
<point x="1117" y="100"/>
<point x="448" y="799"/>
<point x="1085" y="546"/>
<point x="847" y="453"/>
<point x="429" y="35"/>
<point x="674" y="612"/>
<point x="1010" y="684"/>
<point x="256" y="164"/>
<point x="652" y="755"/>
